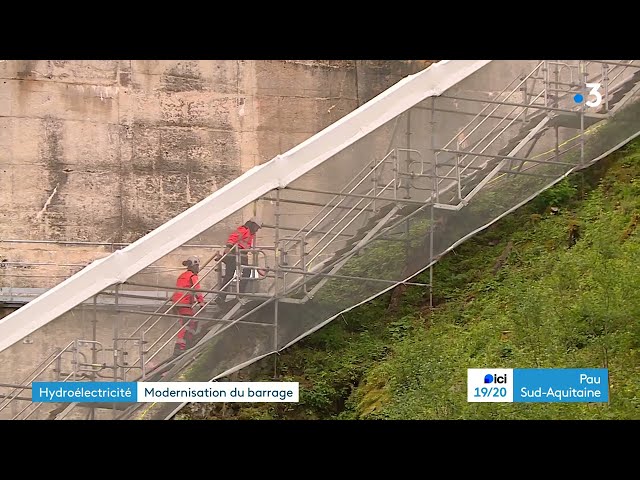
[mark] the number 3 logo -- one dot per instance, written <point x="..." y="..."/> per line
<point x="594" y="91"/>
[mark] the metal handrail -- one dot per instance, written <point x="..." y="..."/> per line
<point x="329" y="202"/>
<point x="173" y="325"/>
<point x="53" y="357"/>
<point x="347" y="225"/>
<point x="34" y="375"/>
<point x="294" y="237"/>
<point x="319" y="222"/>
<point x="467" y="136"/>
<point x="336" y="235"/>
<point x="482" y="111"/>
<point x="186" y="292"/>
<point x="341" y="218"/>
<point x="496" y="137"/>
<point x="37" y="404"/>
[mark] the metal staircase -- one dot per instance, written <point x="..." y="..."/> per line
<point x="409" y="200"/>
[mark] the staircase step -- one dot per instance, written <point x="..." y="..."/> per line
<point x="616" y="96"/>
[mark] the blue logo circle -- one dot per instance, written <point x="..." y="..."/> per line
<point x="578" y="98"/>
<point x="488" y="378"/>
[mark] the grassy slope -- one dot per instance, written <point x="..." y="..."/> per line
<point x="565" y="296"/>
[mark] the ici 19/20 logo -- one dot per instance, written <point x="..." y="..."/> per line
<point x="488" y="378"/>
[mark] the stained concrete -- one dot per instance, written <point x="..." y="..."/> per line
<point x="106" y="151"/>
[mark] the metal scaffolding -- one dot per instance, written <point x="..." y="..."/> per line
<point x="429" y="179"/>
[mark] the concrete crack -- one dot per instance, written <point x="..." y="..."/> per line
<point x="46" y="204"/>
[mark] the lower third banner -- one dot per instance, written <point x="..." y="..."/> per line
<point x="538" y="385"/>
<point x="132" y="392"/>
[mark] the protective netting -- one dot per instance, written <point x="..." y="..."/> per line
<point x="371" y="216"/>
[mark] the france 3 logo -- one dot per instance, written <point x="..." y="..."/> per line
<point x="489" y="385"/>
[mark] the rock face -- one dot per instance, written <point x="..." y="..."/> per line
<point x="106" y="151"/>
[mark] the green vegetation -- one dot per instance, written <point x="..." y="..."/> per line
<point x="553" y="285"/>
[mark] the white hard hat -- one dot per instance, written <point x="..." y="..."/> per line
<point x="257" y="221"/>
<point x="192" y="260"/>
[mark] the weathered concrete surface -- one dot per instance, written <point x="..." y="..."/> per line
<point x="106" y="151"/>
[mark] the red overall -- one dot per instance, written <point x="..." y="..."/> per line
<point x="184" y="308"/>
<point x="243" y="238"/>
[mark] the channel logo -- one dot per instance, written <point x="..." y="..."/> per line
<point x="489" y="385"/>
<point x="589" y="385"/>
<point x="489" y="378"/>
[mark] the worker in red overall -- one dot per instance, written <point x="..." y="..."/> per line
<point x="184" y="301"/>
<point x="243" y="238"/>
